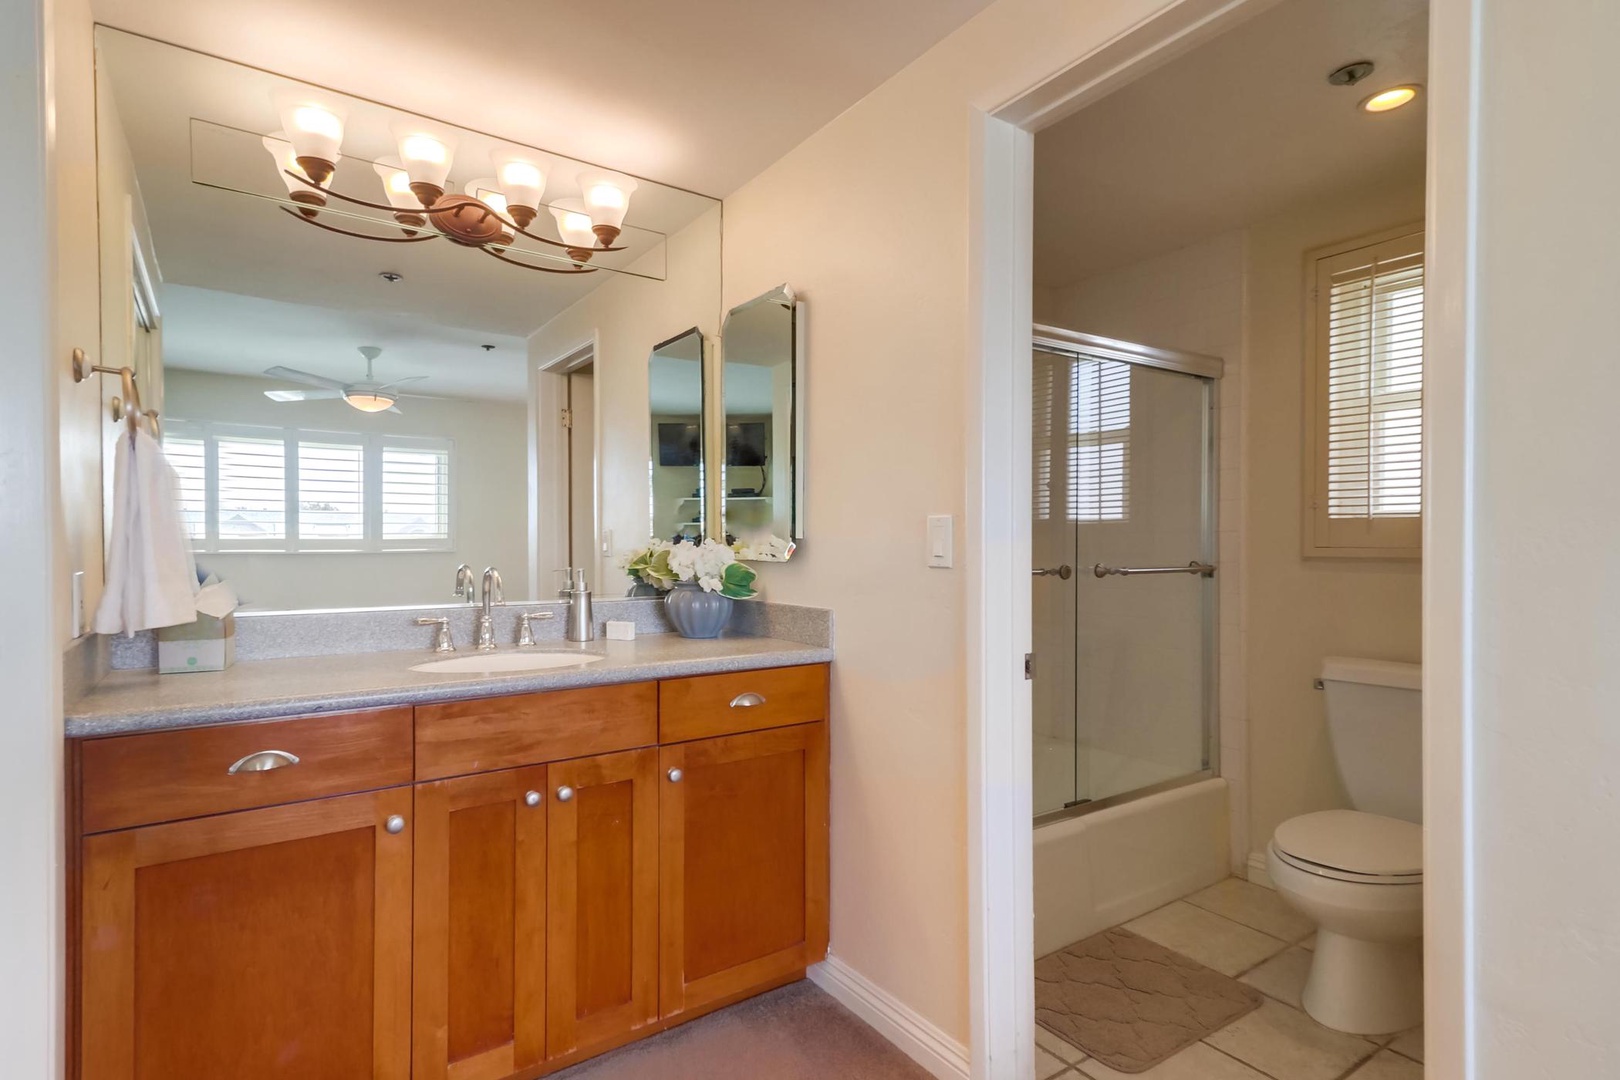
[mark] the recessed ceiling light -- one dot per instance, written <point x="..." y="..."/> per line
<point x="1385" y="100"/>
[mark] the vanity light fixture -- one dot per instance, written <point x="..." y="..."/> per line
<point x="1390" y="99"/>
<point x="489" y="214"/>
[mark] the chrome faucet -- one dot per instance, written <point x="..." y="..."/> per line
<point x="486" y="624"/>
<point x="466" y="584"/>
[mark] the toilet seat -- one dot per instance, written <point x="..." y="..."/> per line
<point x="1350" y="845"/>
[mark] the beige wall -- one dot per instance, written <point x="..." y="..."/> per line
<point x="1299" y="610"/>
<point x="488" y="478"/>
<point x="628" y="316"/>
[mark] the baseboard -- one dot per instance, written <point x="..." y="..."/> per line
<point x="921" y="1041"/>
<point x="1257" y="870"/>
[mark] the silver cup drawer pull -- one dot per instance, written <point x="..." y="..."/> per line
<point x="748" y="700"/>
<point x="264" y="761"/>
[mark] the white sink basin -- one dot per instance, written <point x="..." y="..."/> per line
<point x="506" y="663"/>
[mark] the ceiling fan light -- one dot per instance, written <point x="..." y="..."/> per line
<point x="315" y="132"/>
<point x="426" y="160"/>
<point x="607" y="200"/>
<point x="369" y="401"/>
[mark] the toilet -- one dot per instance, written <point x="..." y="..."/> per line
<point x="1359" y="873"/>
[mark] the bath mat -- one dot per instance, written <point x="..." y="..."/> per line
<point x="1131" y="1003"/>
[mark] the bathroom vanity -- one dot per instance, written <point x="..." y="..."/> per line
<point x="451" y="888"/>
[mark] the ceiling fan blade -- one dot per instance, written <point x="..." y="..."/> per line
<point x="402" y="382"/>
<point x="302" y="395"/>
<point x="394" y="409"/>
<point x="294" y="375"/>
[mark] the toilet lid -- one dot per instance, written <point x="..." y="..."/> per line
<point x="1354" y="842"/>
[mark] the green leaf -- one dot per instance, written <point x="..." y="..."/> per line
<point x="737" y="581"/>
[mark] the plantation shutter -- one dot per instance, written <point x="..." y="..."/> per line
<point x="1099" y="444"/>
<point x="1368" y="388"/>
<point x="252" y="488"/>
<point x="331" y="491"/>
<point x="415" y="493"/>
<point x="1047" y="425"/>
<point x="188" y="458"/>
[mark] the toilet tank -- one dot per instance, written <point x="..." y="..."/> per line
<point x="1375" y="720"/>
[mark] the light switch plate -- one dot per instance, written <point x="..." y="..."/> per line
<point x="941" y="542"/>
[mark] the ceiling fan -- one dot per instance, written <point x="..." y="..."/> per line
<point x="368" y="396"/>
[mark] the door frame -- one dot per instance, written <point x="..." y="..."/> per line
<point x="548" y="505"/>
<point x="1000" y="317"/>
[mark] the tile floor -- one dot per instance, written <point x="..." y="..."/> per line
<point x="1248" y="932"/>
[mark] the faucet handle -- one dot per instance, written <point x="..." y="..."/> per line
<point x="441" y="641"/>
<point x="525" y="630"/>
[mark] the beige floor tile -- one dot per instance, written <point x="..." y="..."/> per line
<point x="1388" y="1066"/>
<point x="1047" y="1064"/>
<point x="1409" y="1043"/>
<point x="1057" y="1047"/>
<point x="1284" y="1042"/>
<point x="1309" y="943"/>
<point x="1197" y="1062"/>
<point x="1254" y="906"/>
<point x="1283" y="976"/>
<point x="1213" y="941"/>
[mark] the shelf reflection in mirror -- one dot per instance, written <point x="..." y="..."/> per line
<point x="762" y="385"/>
<point x="675" y="409"/>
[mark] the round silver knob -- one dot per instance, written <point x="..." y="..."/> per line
<point x="531" y="798"/>
<point x="675" y="776"/>
<point x="396" y="824"/>
<point x="565" y="793"/>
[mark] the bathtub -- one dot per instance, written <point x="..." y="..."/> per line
<point x="1103" y="868"/>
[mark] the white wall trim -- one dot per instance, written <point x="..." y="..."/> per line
<point x="921" y="1041"/>
<point x="1258" y="874"/>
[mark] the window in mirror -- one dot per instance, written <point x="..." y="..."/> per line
<point x="762" y="481"/>
<point x="675" y="472"/>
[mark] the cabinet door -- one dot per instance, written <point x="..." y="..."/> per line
<point x="743" y="860"/>
<point x="480" y="925"/>
<point x="602" y="909"/>
<point x="259" y="945"/>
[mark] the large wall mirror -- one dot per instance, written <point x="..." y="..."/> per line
<point x="675" y="409"/>
<point x="762" y="482"/>
<point x="389" y="346"/>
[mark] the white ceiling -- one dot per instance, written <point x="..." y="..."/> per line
<point x="703" y="94"/>
<point x="1231" y="133"/>
<point x="205" y="330"/>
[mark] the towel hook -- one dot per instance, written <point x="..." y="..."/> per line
<point x="128" y="407"/>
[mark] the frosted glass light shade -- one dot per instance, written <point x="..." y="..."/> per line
<point x="606" y="197"/>
<point x="397" y="185"/>
<point x="368" y="400"/>
<point x="425" y="157"/>
<point x="484" y="191"/>
<point x="286" y="162"/>
<point x="521" y="179"/>
<point x="315" y="131"/>
<point x="573" y="223"/>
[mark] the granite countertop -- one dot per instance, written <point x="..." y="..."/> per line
<point x="131" y="701"/>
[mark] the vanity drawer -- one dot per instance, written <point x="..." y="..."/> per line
<point x="708" y="705"/>
<point x="463" y="737"/>
<point x="130" y="780"/>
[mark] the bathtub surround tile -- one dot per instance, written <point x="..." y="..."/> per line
<point x="1210" y="939"/>
<point x="1284" y="1042"/>
<point x="1387" y="1066"/>
<point x="1258" y="908"/>
<point x="283" y="635"/>
<point x="1282" y="977"/>
<point x="1049" y="1042"/>
<point x="1198" y="1062"/>
<point x="1409" y="1043"/>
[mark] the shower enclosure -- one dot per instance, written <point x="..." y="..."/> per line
<point x="1124" y="550"/>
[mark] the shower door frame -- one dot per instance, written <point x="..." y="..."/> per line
<point x="1209" y="370"/>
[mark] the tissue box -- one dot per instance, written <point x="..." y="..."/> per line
<point x="209" y="644"/>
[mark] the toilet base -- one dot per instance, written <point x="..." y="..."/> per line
<point x="1365" y="987"/>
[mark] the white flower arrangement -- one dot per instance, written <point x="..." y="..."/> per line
<point x="711" y="565"/>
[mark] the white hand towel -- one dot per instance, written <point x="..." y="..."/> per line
<point x="151" y="575"/>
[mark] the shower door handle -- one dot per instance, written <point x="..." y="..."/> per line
<point x="1201" y="569"/>
<point x="1065" y="572"/>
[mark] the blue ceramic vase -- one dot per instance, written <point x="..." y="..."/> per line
<point x="695" y="613"/>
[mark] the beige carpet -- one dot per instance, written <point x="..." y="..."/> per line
<point x="795" y="1033"/>
<point x="1130" y="1003"/>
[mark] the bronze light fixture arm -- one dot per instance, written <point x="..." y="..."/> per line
<point x="359" y="235"/>
<point x="541" y="269"/>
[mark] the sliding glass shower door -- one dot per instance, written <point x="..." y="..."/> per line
<point x="1123" y="593"/>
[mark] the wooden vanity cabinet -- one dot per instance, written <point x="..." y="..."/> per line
<point x="555" y="883"/>
<point x="743" y="851"/>
<point x="256" y="945"/>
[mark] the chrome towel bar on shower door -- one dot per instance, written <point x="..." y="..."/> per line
<point x="1201" y="569"/>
